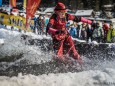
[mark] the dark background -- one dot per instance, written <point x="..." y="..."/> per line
<point x="73" y="4"/>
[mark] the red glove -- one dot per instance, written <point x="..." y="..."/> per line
<point x="86" y="20"/>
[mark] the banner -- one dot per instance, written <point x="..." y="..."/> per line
<point x="0" y="2"/>
<point x="31" y="8"/>
<point x="13" y="3"/>
<point x="16" y="21"/>
<point x="24" y="4"/>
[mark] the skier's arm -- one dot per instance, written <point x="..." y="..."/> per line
<point x="78" y="19"/>
<point x="49" y="28"/>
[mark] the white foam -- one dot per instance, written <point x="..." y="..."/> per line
<point x="86" y="78"/>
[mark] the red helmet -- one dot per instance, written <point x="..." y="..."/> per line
<point x="60" y="7"/>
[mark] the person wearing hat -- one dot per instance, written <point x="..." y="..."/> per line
<point x="57" y="29"/>
<point x="106" y="28"/>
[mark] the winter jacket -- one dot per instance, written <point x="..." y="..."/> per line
<point x="73" y="32"/>
<point x="98" y="32"/>
<point x="111" y="35"/>
<point x="89" y="31"/>
<point x="59" y="24"/>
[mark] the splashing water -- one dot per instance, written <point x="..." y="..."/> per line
<point x="37" y="53"/>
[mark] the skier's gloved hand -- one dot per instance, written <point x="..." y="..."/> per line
<point x="59" y="32"/>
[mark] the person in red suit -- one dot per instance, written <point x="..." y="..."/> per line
<point x="57" y="29"/>
<point x="106" y="28"/>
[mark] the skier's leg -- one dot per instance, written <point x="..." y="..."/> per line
<point x="58" y="47"/>
<point x="72" y="48"/>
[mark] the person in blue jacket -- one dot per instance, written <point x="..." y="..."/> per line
<point x="73" y="31"/>
<point x="35" y="19"/>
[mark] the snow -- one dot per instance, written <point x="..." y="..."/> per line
<point x="103" y="76"/>
<point x="86" y="78"/>
<point x="84" y="12"/>
<point x="50" y="10"/>
<point x="1" y="41"/>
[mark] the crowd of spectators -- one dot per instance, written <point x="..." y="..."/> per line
<point x="101" y="32"/>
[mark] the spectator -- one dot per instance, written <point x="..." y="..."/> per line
<point x="98" y="33"/>
<point x="111" y="34"/>
<point x="40" y="24"/>
<point x="73" y="31"/>
<point x="89" y="31"/>
<point x="83" y="32"/>
<point x="68" y="25"/>
<point x="106" y="29"/>
<point x="35" y="20"/>
<point x="47" y="16"/>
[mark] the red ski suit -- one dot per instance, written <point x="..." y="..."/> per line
<point x="63" y="38"/>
